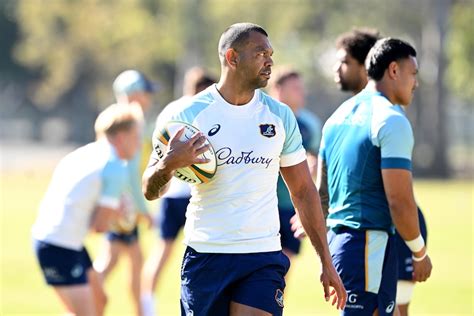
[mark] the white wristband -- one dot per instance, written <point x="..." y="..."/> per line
<point x="416" y="244"/>
<point x="416" y="259"/>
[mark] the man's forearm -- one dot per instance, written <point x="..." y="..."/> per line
<point x="309" y="211"/>
<point x="322" y="185"/>
<point x="155" y="181"/>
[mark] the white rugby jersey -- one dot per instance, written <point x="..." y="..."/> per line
<point x="90" y="176"/>
<point x="236" y="212"/>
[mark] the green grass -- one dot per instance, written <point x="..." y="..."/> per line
<point x="448" y="207"/>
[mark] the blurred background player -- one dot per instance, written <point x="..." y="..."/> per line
<point x="171" y="216"/>
<point x="286" y="85"/>
<point x="351" y="76"/>
<point x="133" y="88"/>
<point x="85" y="194"/>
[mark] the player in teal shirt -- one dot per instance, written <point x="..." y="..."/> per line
<point x="365" y="169"/>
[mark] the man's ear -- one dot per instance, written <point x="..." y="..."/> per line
<point x="231" y="57"/>
<point x="393" y="70"/>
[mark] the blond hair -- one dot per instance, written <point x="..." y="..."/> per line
<point x="117" y="117"/>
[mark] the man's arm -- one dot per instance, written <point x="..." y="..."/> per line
<point x="322" y="185"/>
<point x="102" y="218"/>
<point x="178" y="155"/>
<point x="306" y="201"/>
<point x="399" y="191"/>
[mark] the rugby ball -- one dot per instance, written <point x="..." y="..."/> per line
<point x="194" y="174"/>
<point x="128" y="222"/>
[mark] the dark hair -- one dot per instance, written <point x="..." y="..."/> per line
<point x="236" y="36"/>
<point x="282" y="74"/>
<point x="358" y="42"/>
<point x="383" y="53"/>
<point x="196" y="79"/>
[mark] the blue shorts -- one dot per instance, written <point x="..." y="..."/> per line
<point x="126" y="238"/>
<point x="210" y="281"/>
<point x="62" y="266"/>
<point x="172" y="216"/>
<point x="288" y="241"/>
<point x="367" y="264"/>
<point x="405" y="263"/>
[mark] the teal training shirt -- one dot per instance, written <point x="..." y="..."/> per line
<point x="365" y="134"/>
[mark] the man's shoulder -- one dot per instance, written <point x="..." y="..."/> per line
<point x="278" y="108"/>
<point x="186" y="107"/>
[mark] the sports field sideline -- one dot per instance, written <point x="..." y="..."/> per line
<point x="448" y="207"/>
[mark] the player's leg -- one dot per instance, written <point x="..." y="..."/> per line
<point x="366" y="262"/>
<point x="100" y="298"/>
<point x="237" y="309"/>
<point x="136" y="262"/>
<point x="200" y="293"/>
<point x="155" y="264"/>
<point x="261" y="284"/>
<point x="78" y="299"/>
<point x="66" y="270"/>
<point x="171" y="218"/>
<point x="108" y="257"/>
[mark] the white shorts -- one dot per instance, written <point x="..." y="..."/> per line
<point x="404" y="291"/>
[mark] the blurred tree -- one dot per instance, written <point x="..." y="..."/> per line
<point x="79" y="46"/>
<point x="92" y="40"/>
<point x="460" y="48"/>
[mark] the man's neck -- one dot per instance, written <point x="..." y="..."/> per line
<point x="383" y="88"/>
<point x="234" y="93"/>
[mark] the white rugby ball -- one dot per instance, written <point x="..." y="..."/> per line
<point x="194" y="174"/>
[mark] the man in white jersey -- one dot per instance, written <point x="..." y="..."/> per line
<point x="171" y="216"/>
<point x="85" y="194"/>
<point x="130" y="87"/>
<point x="233" y="264"/>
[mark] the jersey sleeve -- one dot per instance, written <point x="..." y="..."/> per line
<point x="293" y="152"/>
<point x="115" y="179"/>
<point x="395" y="138"/>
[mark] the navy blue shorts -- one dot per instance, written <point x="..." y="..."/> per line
<point x="288" y="241"/>
<point x="367" y="264"/>
<point x="62" y="266"/>
<point x="126" y="238"/>
<point x="405" y="263"/>
<point x="210" y="281"/>
<point x="172" y="216"/>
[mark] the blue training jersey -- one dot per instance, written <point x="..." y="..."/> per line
<point x="364" y="135"/>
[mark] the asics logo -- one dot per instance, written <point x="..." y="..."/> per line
<point x="390" y="307"/>
<point x="213" y="131"/>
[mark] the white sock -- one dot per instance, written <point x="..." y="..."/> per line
<point x="148" y="304"/>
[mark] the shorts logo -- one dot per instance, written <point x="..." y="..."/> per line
<point x="76" y="271"/>
<point x="52" y="274"/>
<point x="279" y="297"/>
<point x="267" y="130"/>
<point x="390" y="307"/>
<point x="213" y="131"/>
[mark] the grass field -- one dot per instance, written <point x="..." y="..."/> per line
<point x="448" y="208"/>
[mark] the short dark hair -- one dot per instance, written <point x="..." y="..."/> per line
<point x="383" y="53"/>
<point x="282" y="74"/>
<point x="236" y="36"/>
<point x="358" y="42"/>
